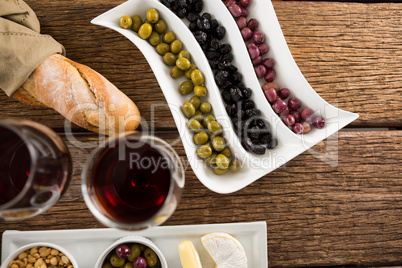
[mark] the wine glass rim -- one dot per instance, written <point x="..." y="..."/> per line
<point x="91" y="202"/>
<point x="12" y="125"/>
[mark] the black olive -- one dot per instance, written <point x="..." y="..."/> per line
<point x="200" y="36"/>
<point x="236" y="94"/>
<point x="205" y="47"/>
<point x="221" y="77"/>
<point x="272" y="144"/>
<point x="192" y="17"/>
<point x="253" y="112"/>
<point x="203" y="24"/>
<point x="220" y="32"/>
<point x="251" y="147"/>
<point x="215" y="43"/>
<point x="231" y="109"/>
<point x="198" y="6"/>
<point x="225" y="48"/>
<point x="212" y="55"/>
<point x="207" y="16"/>
<point x="226" y="97"/>
<point x="265" y="139"/>
<point x="247" y="92"/>
<point x="214" y="24"/>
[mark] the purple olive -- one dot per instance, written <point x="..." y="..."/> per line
<point x="271" y="95"/>
<point x="279" y="106"/>
<point x="251" y="45"/>
<point x="241" y="22"/>
<point x="270" y="76"/>
<point x="252" y="24"/>
<point x="235" y="10"/>
<point x="123" y="251"/>
<point x="257" y="61"/>
<point x="245" y="3"/>
<point x="246" y="33"/>
<point x="230" y="2"/>
<point x="307" y="115"/>
<point x="258" y="37"/>
<point x="296" y="114"/>
<point x="294" y="103"/>
<point x="284" y="112"/>
<point x="254" y="52"/>
<point x="260" y="70"/>
<point x="244" y="12"/>
<point x="284" y="93"/>
<point x="271" y="85"/>
<point x="297" y="128"/>
<point x="306" y="127"/>
<point x="319" y="122"/>
<point x="140" y="262"/>
<point x="289" y="120"/>
<point x="264" y="48"/>
<point x="269" y="63"/>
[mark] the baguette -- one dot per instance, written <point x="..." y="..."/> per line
<point x="81" y="95"/>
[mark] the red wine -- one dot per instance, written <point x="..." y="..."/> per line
<point x="15" y="164"/>
<point x="131" y="184"/>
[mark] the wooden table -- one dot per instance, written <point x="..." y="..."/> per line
<point x="347" y="213"/>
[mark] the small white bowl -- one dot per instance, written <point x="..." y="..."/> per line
<point x="15" y="254"/>
<point x="132" y="239"/>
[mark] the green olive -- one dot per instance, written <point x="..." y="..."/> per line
<point x="150" y="257"/>
<point x="135" y="251"/>
<point x="169" y="59"/>
<point x="188" y="109"/>
<point x="194" y="125"/>
<point x="125" y="22"/>
<point x="162" y="48"/>
<point x="145" y="31"/>
<point x="235" y="165"/>
<point x="227" y="152"/>
<point x="107" y="265"/>
<point x="220" y="171"/>
<point x="205" y="107"/>
<point x="176" y="46"/>
<point x="137" y="22"/>
<point x="183" y="64"/>
<point x="186" y="87"/>
<point x="198" y="115"/>
<point x="196" y="101"/>
<point x="175" y="72"/>
<point x="200" y="91"/>
<point x="222" y="161"/>
<point x="116" y="261"/>
<point x="154" y="39"/>
<point x="197" y="77"/>
<point x="160" y="26"/>
<point x="204" y="151"/>
<point x="218" y="143"/>
<point x="190" y="70"/>
<point x="184" y="54"/>
<point x="211" y="161"/>
<point x="201" y="138"/>
<point x="215" y="128"/>
<point x="128" y="265"/>
<point x="168" y="37"/>
<point x="152" y="15"/>
<point x="207" y="119"/>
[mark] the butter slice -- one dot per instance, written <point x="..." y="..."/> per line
<point x="189" y="255"/>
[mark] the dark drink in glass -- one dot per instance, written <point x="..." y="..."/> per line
<point x="133" y="182"/>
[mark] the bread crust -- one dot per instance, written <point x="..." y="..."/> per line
<point x="81" y="95"/>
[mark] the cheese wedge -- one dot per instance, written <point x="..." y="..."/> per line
<point x="189" y="255"/>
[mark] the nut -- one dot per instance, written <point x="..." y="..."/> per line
<point x="43" y="257"/>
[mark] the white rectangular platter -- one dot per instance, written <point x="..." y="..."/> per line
<point x="86" y="245"/>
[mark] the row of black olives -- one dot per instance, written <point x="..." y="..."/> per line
<point x="247" y="121"/>
<point x="207" y="131"/>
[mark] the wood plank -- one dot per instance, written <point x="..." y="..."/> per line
<point x="345" y="209"/>
<point x="349" y="52"/>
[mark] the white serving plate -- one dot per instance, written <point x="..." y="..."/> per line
<point x="86" y="245"/>
<point x="288" y="75"/>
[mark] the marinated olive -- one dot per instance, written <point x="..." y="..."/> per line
<point x="162" y="48"/>
<point x="168" y="37"/>
<point x="201" y="138"/>
<point x="198" y="115"/>
<point x="160" y="26"/>
<point x="205" y="107"/>
<point x="222" y="161"/>
<point x="184" y="54"/>
<point x="190" y="70"/>
<point x="152" y="15"/>
<point x="196" y="101"/>
<point x="150" y="257"/>
<point x="220" y="171"/>
<point x="218" y="143"/>
<point x="211" y="161"/>
<point x="188" y="109"/>
<point x="137" y="22"/>
<point x="175" y="72"/>
<point x="207" y="119"/>
<point x="227" y="152"/>
<point x="169" y="59"/>
<point x="145" y="31"/>
<point x="235" y="165"/>
<point x="194" y="125"/>
<point x="197" y="77"/>
<point x="183" y="64"/>
<point x="154" y="39"/>
<point x="135" y="251"/>
<point x="176" y="46"/>
<point x="186" y="87"/>
<point x="128" y="265"/>
<point x="204" y="151"/>
<point x="200" y="91"/>
<point x="125" y="22"/>
<point x="116" y="261"/>
<point x="107" y="265"/>
<point x="215" y="128"/>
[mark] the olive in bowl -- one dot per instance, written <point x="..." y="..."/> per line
<point x="41" y="255"/>
<point x="132" y="252"/>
